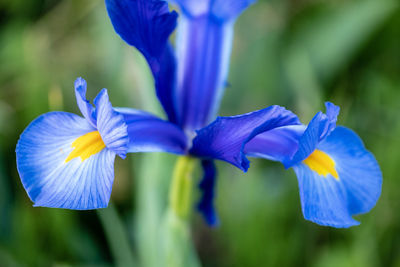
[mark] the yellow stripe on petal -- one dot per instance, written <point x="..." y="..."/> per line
<point x="321" y="163"/>
<point x="86" y="146"/>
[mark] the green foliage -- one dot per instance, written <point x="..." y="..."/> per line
<point x="292" y="53"/>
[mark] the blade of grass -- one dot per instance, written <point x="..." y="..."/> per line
<point x="117" y="236"/>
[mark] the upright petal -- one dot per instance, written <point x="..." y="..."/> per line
<point x="193" y="7"/>
<point x="220" y="9"/>
<point x="203" y="52"/>
<point x="54" y="178"/>
<point x="330" y="119"/>
<point x="354" y="186"/>
<point x="207" y="187"/>
<point x="226" y="137"/>
<point x="318" y="129"/>
<point x="204" y="44"/>
<point x="229" y="9"/>
<point x="84" y="105"/>
<point x="111" y="125"/>
<point x="147" y="25"/>
<point x="144" y="24"/>
<point x="148" y="133"/>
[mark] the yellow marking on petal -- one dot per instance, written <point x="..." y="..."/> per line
<point x="87" y="145"/>
<point x="321" y="163"/>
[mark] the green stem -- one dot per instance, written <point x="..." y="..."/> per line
<point x="178" y="247"/>
<point x="117" y="237"/>
<point x="181" y="187"/>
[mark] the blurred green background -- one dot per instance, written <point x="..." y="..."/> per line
<point x="295" y="53"/>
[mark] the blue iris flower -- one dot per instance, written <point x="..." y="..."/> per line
<point x="66" y="161"/>
<point x="337" y="176"/>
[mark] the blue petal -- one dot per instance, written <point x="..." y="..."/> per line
<point x="204" y="44"/>
<point x="332" y="112"/>
<point x="207" y="187"/>
<point x="164" y="72"/>
<point x="193" y="7"/>
<point x="230" y="9"/>
<point x="148" y="133"/>
<point x="84" y="105"/>
<point x="111" y="125"/>
<point x="323" y="199"/>
<point x="357" y="168"/>
<point x="226" y="137"/>
<point x="48" y="179"/>
<point x="144" y="24"/>
<point x="332" y="202"/>
<point x="220" y="9"/>
<point x="318" y="129"/>
<point x="203" y="52"/>
<point x="278" y="144"/>
<point x="147" y="25"/>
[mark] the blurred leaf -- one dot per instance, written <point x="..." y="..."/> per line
<point x="117" y="237"/>
<point x="334" y="35"/>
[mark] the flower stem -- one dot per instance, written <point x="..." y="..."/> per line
<point x="178" y="247"/>
<point x="181" y="187"/>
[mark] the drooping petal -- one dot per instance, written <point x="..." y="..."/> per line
<point x="203" y="52"/>
<point x="357" y="168"/>
<point x="207" y="187"/>
<point x="353" y="187"/>
<point x="318" y="129"/>
<point x="111" y="125"/>
<point x="84" y="105"/>
<point x="147" y="25"/>
<point x="63" y="163"/>
<point x="323" y="199"/>
<point x="148" y="133"/>
<point x="219" y="9"/>
<point x="226" y="137"/>
<point x="278" y="144"/>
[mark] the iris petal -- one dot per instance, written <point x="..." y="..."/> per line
<point x="111" y="125"/>
<point x="84" y="105"/>
<point x="207" y="187"/>
<point x="193" y="7"/>
<point x="204" y="44"/>
<point x="278" y="144"/>
<point x="329" y="201"/>
<point x="149" y="133"/>
<point x="318" y="128"/>
<point x="323" y="199"/>
<point x="357" y="168"/>
<point x="147" y="25"/>
<point x="329" y="120"/>
<point x="49" y="180"/>
<point x="226" y="137"/>
<point x="220" y="9"/>
<point x="203" y="52"/>
<point x="230" y="9"/>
